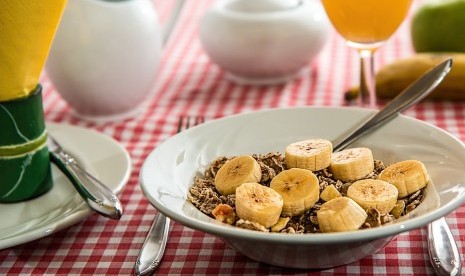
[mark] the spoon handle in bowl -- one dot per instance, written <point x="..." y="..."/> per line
<point x="443" y="252"/>
<point x="414" y="93"/>
<point x="442" y="248"/>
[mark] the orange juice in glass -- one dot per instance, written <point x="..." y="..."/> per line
<point x="366" y="25"/>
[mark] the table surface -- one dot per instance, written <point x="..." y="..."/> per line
<point x="189" y="84"/>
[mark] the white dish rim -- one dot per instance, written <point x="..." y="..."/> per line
<point x="226" y="231"/>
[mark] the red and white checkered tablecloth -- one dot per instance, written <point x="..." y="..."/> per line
<point x="189" y="84"/>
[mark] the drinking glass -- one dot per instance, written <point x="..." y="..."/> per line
<point x="366" y="25"/>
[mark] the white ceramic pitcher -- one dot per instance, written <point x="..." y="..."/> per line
<point x="105" y="56"/>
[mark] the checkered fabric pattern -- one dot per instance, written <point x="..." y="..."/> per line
<point x="189" y="84"/>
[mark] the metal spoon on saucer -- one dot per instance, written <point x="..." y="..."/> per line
<point x="442" y="249"/>
<point x="98" y="196"/>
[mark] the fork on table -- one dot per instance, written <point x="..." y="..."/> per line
<point x="154" y="245"/>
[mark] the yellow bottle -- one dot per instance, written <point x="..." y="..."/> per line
<point x="27" y="29"/>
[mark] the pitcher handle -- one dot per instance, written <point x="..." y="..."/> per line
<point x="172" y="20"/>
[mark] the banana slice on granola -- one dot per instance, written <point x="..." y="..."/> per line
<point x="352" y="164"/>
<point x="299" y="189"/>
<point x="330" y="192"/>
<point x="280" y="225"/>
<point x="376" y="194"/>
<point x="235" y="172"/>
<point x="258" y="203"/>
<point x="408" y="176"/>
<point x="312" y="154"/>
<point x="340" y="214"/>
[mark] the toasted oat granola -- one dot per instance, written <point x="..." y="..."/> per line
<point x="206" y="198"/>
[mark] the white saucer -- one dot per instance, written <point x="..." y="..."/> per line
<point x="62" y="206"/>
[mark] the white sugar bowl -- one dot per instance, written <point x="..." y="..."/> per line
<point x="264" y="41"/>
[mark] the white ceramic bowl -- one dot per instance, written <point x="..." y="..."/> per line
<point x="169" y="170"/>
<point x="264" y="41"/>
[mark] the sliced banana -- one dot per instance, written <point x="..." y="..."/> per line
<point x="352" y="164"/>
<point x="280" y="225"/>
<point x="408" y="176"/>
<point x="233" y="173"/>
<point x="340" y="214"/>
<point x="376" y="194"/>
<point x="313" y="154"/>
<point x="330" y="192"/>
<point x="299" y="189"/>
<point x="398" y="210"/>
<point x="258" y="203"/>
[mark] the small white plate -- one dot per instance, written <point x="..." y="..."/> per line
<point x="62" y="206"/>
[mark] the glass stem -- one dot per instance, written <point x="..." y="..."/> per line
<point x="367" y="79"/>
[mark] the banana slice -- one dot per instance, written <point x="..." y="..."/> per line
<point x="280" y="225"/>
<point x="330" y="192"/>
<point x="408" y="176"/>
<point x="235" y="172"/>
<point x="340" y="214"/>
<point x="398" y="210"/>
<point x="258" y="203"/>
<point x="314" y="154"/>
<point x="299" y="189"/>
<point x="352" y="164"/>
<point x="376" y="194"/>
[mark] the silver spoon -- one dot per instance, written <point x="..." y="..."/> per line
<point x="417" y="91"/>
<point x="443" y="252"/>
<point x="97" y="196"/>
<point x="442" y="249"/>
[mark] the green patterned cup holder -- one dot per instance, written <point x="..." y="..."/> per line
<point x="24" y="157"/>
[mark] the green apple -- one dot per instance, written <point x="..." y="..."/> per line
<point x="439" y="26"/>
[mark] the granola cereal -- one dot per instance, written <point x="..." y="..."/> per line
<point x="251" y="225"/>
<point x="224" y="213"/>
<point x="206" y="198"/>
